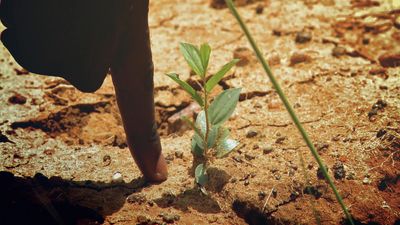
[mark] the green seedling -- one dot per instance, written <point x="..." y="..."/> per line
<point x="211" y="139"/>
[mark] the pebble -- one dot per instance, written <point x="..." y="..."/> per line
<point x="246" y="182"/>
<point x="389" y="60"/>
<point x="339" y="171"/>
<point x="179" y="154"/>
<point x="268" y="149"/>
<point x="17" y="99"/>
<point x="251" y="134"/>
<point x="249" y="157"/>
<point x="338" y="51"/>
<point x="321" y="146"/>
<point x="117" y="177"/>
<point x="303" y="37"/>
<point x="299" y="57"/>
<point x="261" y="195"/>
<point x="280" y="140"/>
<point x="260" y="9"/>
<point x="106" y="160"/>
<point x="244" y="54"/>
<point x="366" y="180"/>
<point x="138" y="198"/>
<point x="170" y="218"/>
<point x="169" y="157"/>
<point x="237" y="158"/>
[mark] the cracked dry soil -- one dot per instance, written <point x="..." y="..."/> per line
<point x="338" y="62"/>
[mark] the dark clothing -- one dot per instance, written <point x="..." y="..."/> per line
<point x="74" y="39"/>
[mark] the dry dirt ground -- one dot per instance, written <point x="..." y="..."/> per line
<point x="338" y="62"/>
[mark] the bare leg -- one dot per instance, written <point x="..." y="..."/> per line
<point x="132" y="75"/>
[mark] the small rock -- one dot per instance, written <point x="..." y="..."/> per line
<point x="246" y="182"/>
<point x="249" y="157"/>
<point x="303" y="37"/>
<point x="138" y="198"/>
<point x="233" y="180"/>
<point x="244" y="54"/>
<point x="238" y="158"/>
<point x="280" y="140"/>
<point x="315" y="191"/>
<point x="170" y="218"/>
<point x="339" y="171"/>
<point x="179" y="154"/>
<point x="339" y="51"/>
<point x="251" y="134"/>
<point x="260" y="9"/>
<point x="117" y="177"/>
<point x="17" y="99"/>
<point x="389" y="60"/>
<point x="169" y="157"/>
<point x="299" y="57"/>
<point x="274" y="192"/>
<point x="268" y="149"/>
<point x="276" y="32"/>
<point x="366" y="180"/>
<point x="261" y="195"/>
<point x="380" y="133"/>
<point x="380" y="104"/>
<point x="365" y="41"/>
<point x="378" y="71"/>
<point x="321" y="146"/>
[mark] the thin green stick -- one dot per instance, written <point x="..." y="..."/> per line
<point x="288" y="107"/>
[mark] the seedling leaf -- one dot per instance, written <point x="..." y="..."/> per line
<point x="187" y="88"/>
<point x="223" y="106"/>
<point x="196" y="150"/>
<point x="200" y="174"/>
<point x="192" y="56"/>
<point x="205" y="52"/>
<point x="225" y="147"/>
<point x="219" y="75"/>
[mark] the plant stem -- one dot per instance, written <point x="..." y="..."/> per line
<point x="207" y="124"/>
<point x="289" y="108"/>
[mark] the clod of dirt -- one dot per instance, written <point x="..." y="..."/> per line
<point x="299" y="57"/>
<point x="137" y="198"/>
<point x="303" y="37"/>
<point x="316" y="191"/>
<point x="244" y="54"/>
<point x="106" y="160"/>
<point x="339" y="171"/>
<point x="378" y="71"/>
<point x="321" y="147"/>
<point x="274" y="59"/>
<point x="179" y="154"/>
<point x="366" y="180"/>
<point x="379" y="105"/>
<point x="260" y="9"/>
<point x="21" y="71"/>
<point x="389" y="60"/>
<point x="268" y="150"/>
<point x="170" y="218"/>
<point x="261" y="195"/>
<point x="251" y="134"/>
<point x="17" y="99"/>
<point x="280" y="140"/>
<point x="339" y="51"/>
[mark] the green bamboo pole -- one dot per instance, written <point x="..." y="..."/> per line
<point x="288" y="107"/>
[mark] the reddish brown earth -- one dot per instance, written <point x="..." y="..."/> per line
<point x="338" y="62"/>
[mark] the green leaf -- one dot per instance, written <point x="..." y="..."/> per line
<point x="219" y="75"/>
<point x="223" y="106"/>
<point x="199" y="141"/>
<point x="187" y="88"/>
<point x="201" y="122"/>
<point x="196" y="150"/>
<point x="205" y="52"/>
<point x="201" y="175"/>
<point x="212" y="135"/>
<point x="192" y="56"/>
<point x="225" y="147"/>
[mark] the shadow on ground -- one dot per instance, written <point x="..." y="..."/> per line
<point x="48" y="201"/>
